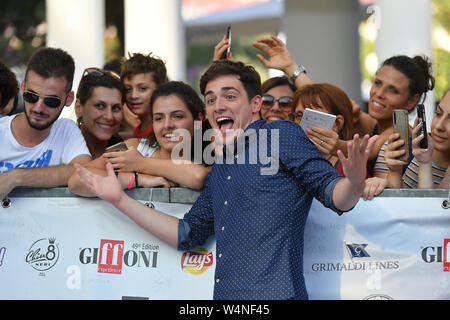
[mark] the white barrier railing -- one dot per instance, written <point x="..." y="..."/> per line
<point x="54" y="245"/>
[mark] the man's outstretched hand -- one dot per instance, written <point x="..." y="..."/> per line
<point x="107" y="188"/>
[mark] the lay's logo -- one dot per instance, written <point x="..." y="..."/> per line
<point x="196" y="261"/>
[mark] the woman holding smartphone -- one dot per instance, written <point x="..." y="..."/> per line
<point x="98" y="108"/>
<point x="430" y="167"/>
<point x="147" y="163"/>
<point x="400" y="83"/>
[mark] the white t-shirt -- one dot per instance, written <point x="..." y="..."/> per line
<point x="64" y="143"/>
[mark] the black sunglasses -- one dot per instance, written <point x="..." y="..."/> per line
<point x="99" y="72"/>
<point x="50" y="101"/>
<point x="284" y="102"/>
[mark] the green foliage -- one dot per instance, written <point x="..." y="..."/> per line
<point x="18" y="27"/>
<point x="244" y="51"/>
<point x="441" y="72"/>
<point x="441" y="13"/>
<point x="366" y="47"/>
<point x="441" y="57"/>
<point x="19" y="38"/>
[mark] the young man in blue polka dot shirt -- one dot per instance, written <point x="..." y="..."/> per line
<point x="256" y="205"/>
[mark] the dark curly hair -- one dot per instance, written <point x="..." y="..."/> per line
<point x="418" y="70"/>
<point x="140" y="63"/>
<point x="9" y="87"/>
<point x="248" y="76"/>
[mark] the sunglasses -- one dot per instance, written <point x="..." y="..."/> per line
<point x="285" y="103"/>
<point x="99" y="73"/>
<point x="50" y="101"/>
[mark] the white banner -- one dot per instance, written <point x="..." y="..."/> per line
<point x="388" y="248"/>
<point x="76" y="248"/>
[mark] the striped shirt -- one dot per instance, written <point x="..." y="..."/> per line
<point x="380" y="163"/>
<point x="410" y="178"/>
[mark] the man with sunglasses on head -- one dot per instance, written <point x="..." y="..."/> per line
<point x="38" y="149"/>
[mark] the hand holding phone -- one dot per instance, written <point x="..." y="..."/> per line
<point x="423" y="130"/>
<point x="121" y="146"/>
<point x="226" y="54"/>
<point x="401" y="126"/>
<point x="422" y="155"/>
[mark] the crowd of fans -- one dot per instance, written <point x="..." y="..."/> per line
<point x="119" y="104"/>
<point x="131" y="120"/>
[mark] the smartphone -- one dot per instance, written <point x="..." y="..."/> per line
<point x="227" y="52"/>
<point x="401" y="125"/>
<point x="422" y="120"/>
<point x="121" y="146"/>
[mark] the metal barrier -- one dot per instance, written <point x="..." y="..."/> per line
<point x="188" y="196"/>
<point x="173" y="195"/>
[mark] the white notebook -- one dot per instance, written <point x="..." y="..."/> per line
<point x="314" y="118"/>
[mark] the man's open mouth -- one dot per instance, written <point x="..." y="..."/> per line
<point x="225" y="123"/>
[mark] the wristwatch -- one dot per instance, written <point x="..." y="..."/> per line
<point x="297" y="73"/>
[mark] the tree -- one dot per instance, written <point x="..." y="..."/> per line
<point x="22" y="30"/>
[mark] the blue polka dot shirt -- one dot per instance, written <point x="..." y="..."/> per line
<point x="258" y="214"/>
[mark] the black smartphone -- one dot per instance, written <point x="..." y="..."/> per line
<point x="401" y="125"/>
<point x="121" y="146"/>
<point x="227" y="52"/>
<point x="422" y="120"/>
